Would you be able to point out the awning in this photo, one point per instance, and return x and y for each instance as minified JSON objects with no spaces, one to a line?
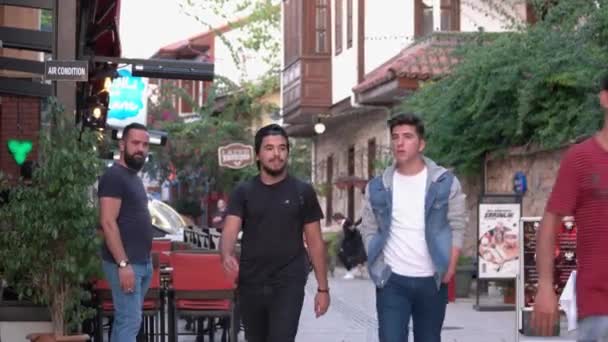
{"x":104,"y":30}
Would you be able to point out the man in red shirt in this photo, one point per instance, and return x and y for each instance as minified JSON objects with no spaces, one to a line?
{"x":580,"y":190}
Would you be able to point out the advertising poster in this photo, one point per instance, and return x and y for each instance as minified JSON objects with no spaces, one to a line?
{"x":498,"y":244}
{"x":565,"y":257}
{"x":128,"y":100}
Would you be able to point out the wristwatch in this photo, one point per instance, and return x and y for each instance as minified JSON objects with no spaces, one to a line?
{"x":323,"y":290}
{"x":123,"y":263}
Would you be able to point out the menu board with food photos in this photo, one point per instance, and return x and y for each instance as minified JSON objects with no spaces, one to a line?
{"x":564,"y":262}
{"x":498,"y":244}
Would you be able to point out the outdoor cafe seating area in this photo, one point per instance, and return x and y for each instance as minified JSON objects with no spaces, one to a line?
{"x":188,"y":283}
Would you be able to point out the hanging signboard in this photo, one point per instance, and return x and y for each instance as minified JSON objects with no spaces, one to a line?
{"x":128,"y":100}
{"x":235,"y":156}
{"x":77,"y":71}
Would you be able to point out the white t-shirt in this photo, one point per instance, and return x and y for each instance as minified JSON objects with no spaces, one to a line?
{"x":406,"y":251}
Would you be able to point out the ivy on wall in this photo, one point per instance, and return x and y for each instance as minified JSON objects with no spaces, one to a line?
{"x":534,"y":85}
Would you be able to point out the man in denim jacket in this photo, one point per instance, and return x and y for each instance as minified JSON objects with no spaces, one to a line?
{"x":413,"y":221}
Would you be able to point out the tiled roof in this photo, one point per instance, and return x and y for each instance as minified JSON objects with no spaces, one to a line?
{"x":422,"y":60}
{"x":191,"y":47}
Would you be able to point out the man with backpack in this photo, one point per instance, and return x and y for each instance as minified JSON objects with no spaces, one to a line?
{"x":276,"y":212}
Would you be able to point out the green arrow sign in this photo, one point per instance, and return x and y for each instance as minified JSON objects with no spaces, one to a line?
{"x":19,"y":149}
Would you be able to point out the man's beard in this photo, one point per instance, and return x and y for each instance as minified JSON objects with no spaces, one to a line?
{"x":274,"y":172}
{"x":133,"y":162}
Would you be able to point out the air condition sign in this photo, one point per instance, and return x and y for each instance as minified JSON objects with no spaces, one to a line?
{"x":77,"y":71}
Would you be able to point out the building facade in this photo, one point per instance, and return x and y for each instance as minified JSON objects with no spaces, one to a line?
{"x":348,"y":63}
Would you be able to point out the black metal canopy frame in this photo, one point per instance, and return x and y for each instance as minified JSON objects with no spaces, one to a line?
{"x":97,"y":43}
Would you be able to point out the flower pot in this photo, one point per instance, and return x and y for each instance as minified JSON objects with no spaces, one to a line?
{"x":50,"y":337}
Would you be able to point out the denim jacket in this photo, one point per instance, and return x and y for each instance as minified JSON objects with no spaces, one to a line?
{"x":445,"y":220}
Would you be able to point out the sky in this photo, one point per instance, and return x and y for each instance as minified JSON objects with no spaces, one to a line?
{"x":147,"y":25}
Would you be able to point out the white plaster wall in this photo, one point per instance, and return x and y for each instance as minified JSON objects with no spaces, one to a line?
{"x":389,"y":27}
{"x":344,"y":65}
{"x":475,"y":14}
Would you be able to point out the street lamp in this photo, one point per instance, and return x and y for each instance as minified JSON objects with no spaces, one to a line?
{"x":319,"y":127}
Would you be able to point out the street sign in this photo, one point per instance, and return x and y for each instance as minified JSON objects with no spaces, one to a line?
{"x":235,"y":156}
{"x":77,"y":71}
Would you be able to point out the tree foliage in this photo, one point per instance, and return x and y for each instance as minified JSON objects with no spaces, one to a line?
{"x":259,"y":20}
{"x":537,"y":85}
{"x":192,"y":148}
{"x":48,"y":242}
{"x":231,"y":109}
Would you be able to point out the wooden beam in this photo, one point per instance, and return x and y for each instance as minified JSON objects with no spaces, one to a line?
{"x":24,"y":87}
{"x":33,"y":40}
{"x":25,"y":65}
{"x":42,"y":4}
{"x":361,"y":41}
{"x":408,"y":83}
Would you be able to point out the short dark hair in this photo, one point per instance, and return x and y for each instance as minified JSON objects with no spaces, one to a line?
{"x":409,"y":119}
{"x":272,"y":129}
{"x":604,"y":83}
{"x":134,"y":125}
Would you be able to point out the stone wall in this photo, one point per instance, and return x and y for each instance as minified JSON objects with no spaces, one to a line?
{"x":540,"y":168}
{"x":471,"y":186}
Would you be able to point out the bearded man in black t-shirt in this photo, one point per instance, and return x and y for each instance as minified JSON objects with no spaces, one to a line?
{"x":127,"y":232}
{"x":275,"y":212}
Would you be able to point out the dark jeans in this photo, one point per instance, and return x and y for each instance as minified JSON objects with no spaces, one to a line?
{"x":405,"y":297}
{"x":271,"y":313}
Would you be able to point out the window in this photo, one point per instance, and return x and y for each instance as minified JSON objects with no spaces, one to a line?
{"x":321,"y":34}
{"x":423,"y":21}
{"x":329,"y":198}
{"x":351,"y":189}
{"x":291,"y":29}
{"x":186,"y":97}
{"x":450,"y":15}
{"x":349,"y":24}
{"x":371,"y":157}
{"x":338,"y":25}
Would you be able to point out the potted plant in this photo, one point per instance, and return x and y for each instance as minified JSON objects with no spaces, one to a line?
{"x":464,"y":276}
{"x":48,"y":241}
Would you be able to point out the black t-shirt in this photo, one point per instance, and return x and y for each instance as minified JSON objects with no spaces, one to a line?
{"x":134,"y":221}
{"x":272,"y":246}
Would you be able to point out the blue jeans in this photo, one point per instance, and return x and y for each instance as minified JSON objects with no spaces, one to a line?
{"x":127,"y":306}
{"x":593,"y":329}
{"x":403,"y":298}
